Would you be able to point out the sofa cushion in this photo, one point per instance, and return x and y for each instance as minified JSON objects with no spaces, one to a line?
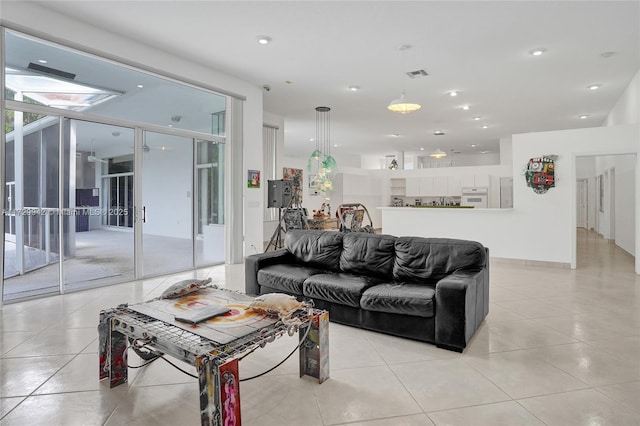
{"x":319,"y":249}
{"x":368,"y":254}
{"x":406,"y":299}
{"x":345,"y":289}
{"x":286,"y":277}
{"x":431,"y":259}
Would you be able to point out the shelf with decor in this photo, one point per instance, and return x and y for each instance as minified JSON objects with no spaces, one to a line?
{"x":398,"y":187}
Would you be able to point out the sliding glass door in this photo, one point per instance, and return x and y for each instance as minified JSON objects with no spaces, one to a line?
{"x":110,"y":174}
{"x":167,"y":200}
{"x":99,"y":211}
{"x":209,"y":203}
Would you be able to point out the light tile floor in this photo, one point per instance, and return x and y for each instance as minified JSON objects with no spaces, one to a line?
{"x":560,"y":347}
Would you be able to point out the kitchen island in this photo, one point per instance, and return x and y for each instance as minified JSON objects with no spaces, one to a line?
{"x":498,"y":229}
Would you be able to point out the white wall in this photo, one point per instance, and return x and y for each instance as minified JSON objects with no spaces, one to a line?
{"x":376,"y":162}
{"x":623,"y":166}
{"x":627,"y":111}
{"x":48,"y":24}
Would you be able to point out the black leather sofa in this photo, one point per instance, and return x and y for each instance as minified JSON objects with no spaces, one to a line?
{"x":430,"y":289}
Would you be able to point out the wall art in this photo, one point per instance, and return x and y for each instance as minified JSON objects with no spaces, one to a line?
{"x":539,"y":173}
{"x":253,"y":179}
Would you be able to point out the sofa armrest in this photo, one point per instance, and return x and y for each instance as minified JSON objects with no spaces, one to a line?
{"x":462,"y":300}
{"x":255,"y":262}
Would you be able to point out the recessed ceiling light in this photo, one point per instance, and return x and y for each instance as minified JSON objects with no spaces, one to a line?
{"x":594,"y":86}
{"x":42,"y":61}
{"x":453,"y":93}
{"x":477,"y":118}
{"x":538,"y":51}
{"x":465,"y":107}
{"x":336,"y":145}
{"x":395,"y":135}
{"x":354,"y":88}
{"x":438,"y":132}
{"x":421,"y":149}
{"x":473,"y":145}
{"x":583,"y":116}
{"x":170,"y":125}
{"x":264,"y":39}
{"x":483,"y":152}
{"x":484,"y":126}
{"x":311,"y":140}
{"x":140,"y":86}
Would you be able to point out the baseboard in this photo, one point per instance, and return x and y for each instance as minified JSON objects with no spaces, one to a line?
{"x":527,"y":262}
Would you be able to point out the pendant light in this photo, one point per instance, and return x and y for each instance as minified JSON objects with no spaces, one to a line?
{"x":321,"y":164}
{"x":438,"y":154}
{"x":402,"y":105}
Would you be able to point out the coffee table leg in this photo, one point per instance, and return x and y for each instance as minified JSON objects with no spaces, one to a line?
{"x":118,"y":372}
{"x":112,"y":348}
{"x":209,"y":381}
{"x":104,"y":324}
{"x":314,"y":350}
{"x":219,"y":392}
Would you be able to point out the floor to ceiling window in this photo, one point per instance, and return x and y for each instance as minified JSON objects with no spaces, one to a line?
{"x":76,"y":128}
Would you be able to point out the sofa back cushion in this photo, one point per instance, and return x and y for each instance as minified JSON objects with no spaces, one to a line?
{"x":368,"y":254}
{"x":430,"y":259}
{"x":315,"y":248}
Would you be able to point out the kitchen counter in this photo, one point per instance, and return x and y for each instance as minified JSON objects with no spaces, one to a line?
{"x":429,"y":208}
{"x":497,"y":229}
{"x":442,"y":207}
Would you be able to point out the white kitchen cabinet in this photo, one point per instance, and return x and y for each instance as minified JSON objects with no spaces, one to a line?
{"x":482,"y":181}
{"x":427,"y":186}
{"x":472,"y":181}
{"x":467,"y":181}
{"x":398,"y":187}
{"x":441,"y":186}
{"x":454,"y":186}
{"x":412,"y":188}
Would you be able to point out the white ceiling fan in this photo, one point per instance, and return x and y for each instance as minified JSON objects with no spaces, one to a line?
{"x":92,"y":155}
{"x":147,"y":148}
{"x":92,"y":159}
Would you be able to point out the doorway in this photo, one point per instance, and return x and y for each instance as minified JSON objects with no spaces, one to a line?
{"x":610,"y":201}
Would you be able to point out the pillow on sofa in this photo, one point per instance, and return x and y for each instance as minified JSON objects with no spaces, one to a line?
{"x":316,"y":248}
{"x":368,"y":254}
{"x":431,"y":259}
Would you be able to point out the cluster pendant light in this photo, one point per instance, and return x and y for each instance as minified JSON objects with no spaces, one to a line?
{"x":321,"y":164}
{"x":402,"y":105}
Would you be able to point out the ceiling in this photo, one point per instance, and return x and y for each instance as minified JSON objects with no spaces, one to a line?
{"x":478,"y":48}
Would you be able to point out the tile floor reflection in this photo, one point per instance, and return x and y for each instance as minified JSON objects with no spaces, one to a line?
{"x":560,"y":347}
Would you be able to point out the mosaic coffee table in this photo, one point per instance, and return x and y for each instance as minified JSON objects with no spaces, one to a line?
{"x":212,"y":346}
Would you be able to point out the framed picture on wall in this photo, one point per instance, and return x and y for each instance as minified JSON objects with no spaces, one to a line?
{"x":295,"y":175}
{"x":253,"y":179}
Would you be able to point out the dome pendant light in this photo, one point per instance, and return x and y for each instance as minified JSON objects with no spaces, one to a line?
{"x":402,"y":105}
{"x":438,"y":154}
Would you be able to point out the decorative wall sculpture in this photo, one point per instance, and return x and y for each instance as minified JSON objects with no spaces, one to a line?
{"x":539,"y":173}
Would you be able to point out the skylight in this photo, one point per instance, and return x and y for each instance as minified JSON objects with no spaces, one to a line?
{"x":55,"y":92}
